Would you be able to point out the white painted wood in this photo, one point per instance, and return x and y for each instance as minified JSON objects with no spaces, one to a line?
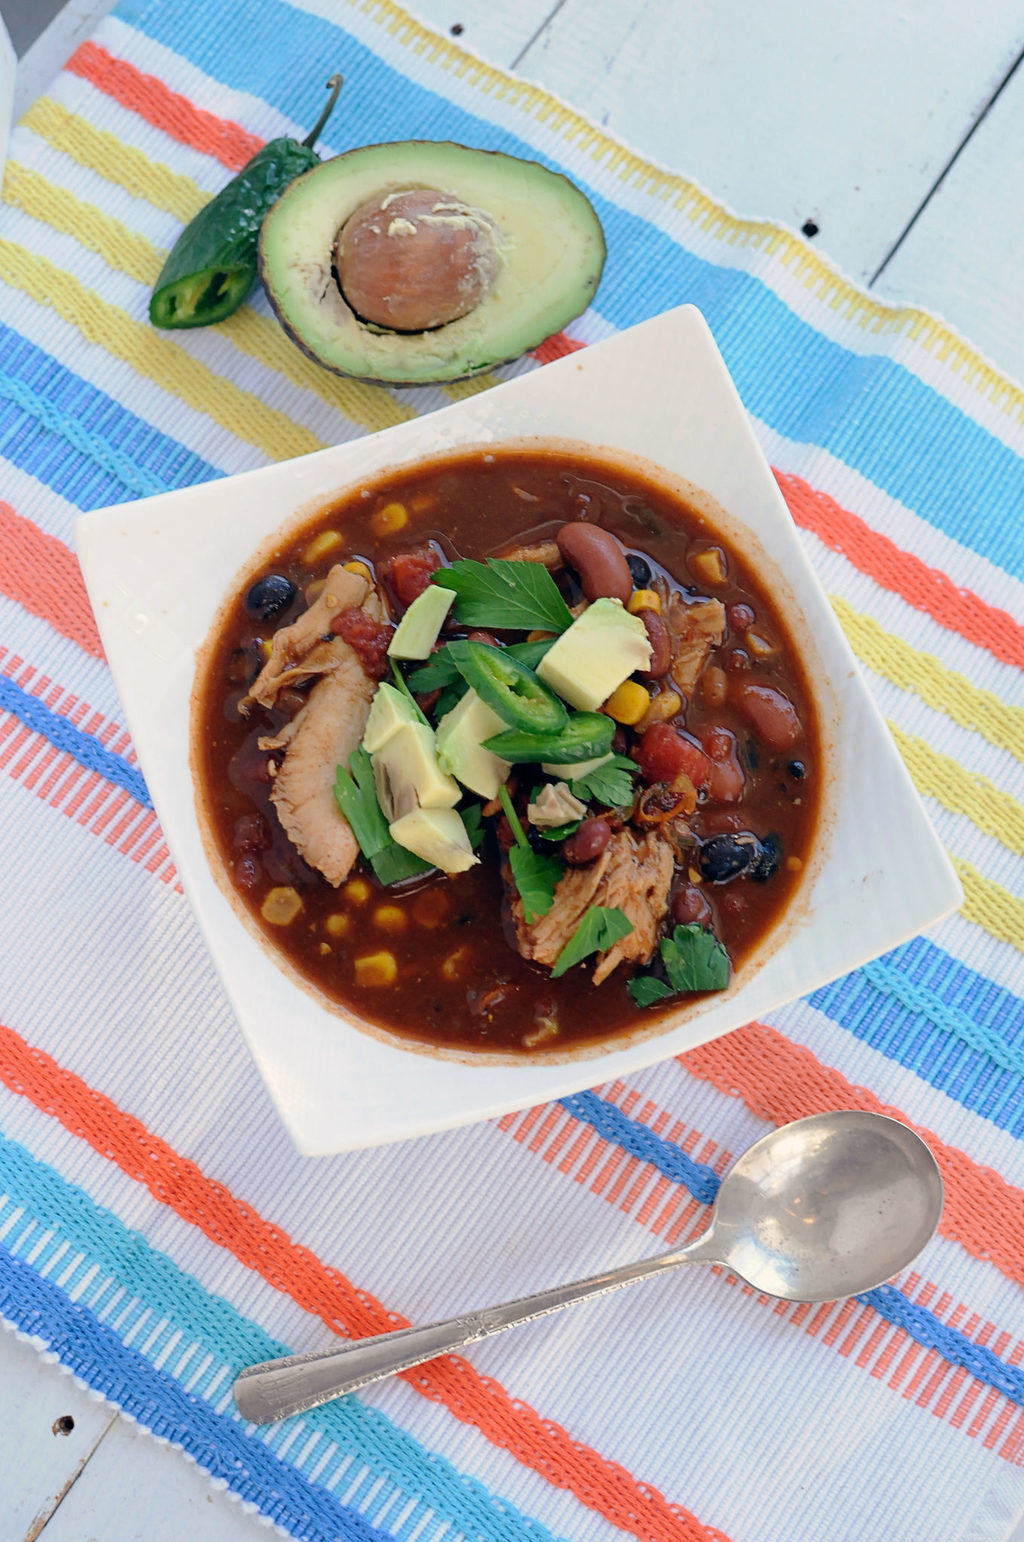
{"x":844,"y":114}
{"x":500,"y":30}
{"x":964,"y":257}
{"x":42,"y":61}
{"x":36,"y":1465}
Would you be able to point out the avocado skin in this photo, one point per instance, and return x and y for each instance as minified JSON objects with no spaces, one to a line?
{"x":581,"y":297}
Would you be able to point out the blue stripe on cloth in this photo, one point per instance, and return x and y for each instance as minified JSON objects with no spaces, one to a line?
{"x":355,"y":1428}
{"x":220,"y":1444}
{"x":916,"y":1320}
{"x":932,"y":456}
{"x":45,"y":408}
{"x":85,"y":748}
{"x":951,"y":1026}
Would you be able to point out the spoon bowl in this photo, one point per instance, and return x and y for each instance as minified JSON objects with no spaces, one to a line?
{"x":822,"y":1208}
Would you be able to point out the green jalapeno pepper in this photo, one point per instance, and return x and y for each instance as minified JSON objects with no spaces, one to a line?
{"x":510,"y":687}
{"x":212,"y":266}
{"x":586,"y":736}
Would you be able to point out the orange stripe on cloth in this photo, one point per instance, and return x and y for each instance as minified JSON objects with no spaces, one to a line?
{"x":40,"y":573}
{"x":173,"y":1180}
{"x":556,"y":347}
{"x":779,"y":1081}
{"x":901,"y":572}
{"x":165,"y":109}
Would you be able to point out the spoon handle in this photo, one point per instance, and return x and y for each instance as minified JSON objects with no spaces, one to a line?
{"x":276,"y":1388}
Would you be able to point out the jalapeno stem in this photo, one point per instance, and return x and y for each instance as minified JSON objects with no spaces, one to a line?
{"x":334,"y":86}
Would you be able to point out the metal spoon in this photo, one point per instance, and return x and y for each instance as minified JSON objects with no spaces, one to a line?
{"x":823,"y":1208}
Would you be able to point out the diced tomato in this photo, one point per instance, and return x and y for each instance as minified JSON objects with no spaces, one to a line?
{"x":726,"y":781}
{"x":664,"y":753}
{"x":408,"y":573}
{"x":367,"y":638}
{"x":773,"y":715}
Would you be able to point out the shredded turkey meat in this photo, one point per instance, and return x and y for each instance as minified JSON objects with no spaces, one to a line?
{"x":544,"y":552}
{"x":633,"y":874}
{"x":305,"y":648}
{"x":693,"y":630}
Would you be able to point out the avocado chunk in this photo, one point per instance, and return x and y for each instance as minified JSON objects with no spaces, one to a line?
{"x":419,"y":628}
{"x":591,"y":659}
{"x":416,"y":262}
{"x":438,"y":836}
{"x":460,"y":736}
{"x":407,"y":775}
{"x":389,"y":711}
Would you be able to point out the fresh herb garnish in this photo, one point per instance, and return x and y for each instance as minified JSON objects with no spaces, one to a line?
{"x":694,"y":960}
{"x":472,"y":817}
{"x":511,"y":596}
{"x":407,"y":693}
{"x":610,"y":784}
{"x":536,"y":876}
{"x":601,"y":927}
{"x":357,"y":798}
{"x":437,"y":672}
{"x":530,"y":653}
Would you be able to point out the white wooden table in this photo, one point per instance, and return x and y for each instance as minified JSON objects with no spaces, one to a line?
{"x":892,"y":132}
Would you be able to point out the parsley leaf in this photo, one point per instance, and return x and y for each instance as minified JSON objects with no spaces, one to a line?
{"x":536,"y":876}
{"x":694,"y":960}
{"x":516,"y":596}
{"x":357,"y":798}
{"x":610,"y":784}
{"x":600,"y":928}
{"x":407,"y":693}
{"x":473,"y":819}
{"x":436,"y":673}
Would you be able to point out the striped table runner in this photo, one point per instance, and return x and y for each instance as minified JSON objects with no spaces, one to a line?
{"x":158,"y":1232}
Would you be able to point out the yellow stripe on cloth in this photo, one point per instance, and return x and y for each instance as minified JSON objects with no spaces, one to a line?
{"x":155,"y":356}
{"x":963,"y":792}
{"x":126,"y":251}
{"x":811,"y":269}
{"x":944,"y":689}
{"x":988,"y":904}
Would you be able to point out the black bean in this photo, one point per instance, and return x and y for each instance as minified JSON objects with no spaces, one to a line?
{"x":640,"y":570}
{"x":269,"y":596}
{"x":797,"y":770}
{"x":768,"y":861}
{"x":725,"y":857}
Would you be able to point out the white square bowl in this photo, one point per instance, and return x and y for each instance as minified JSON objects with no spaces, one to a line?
{"x":158,"y":570}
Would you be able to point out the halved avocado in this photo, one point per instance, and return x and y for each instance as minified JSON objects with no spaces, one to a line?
{"x":533,"y":259}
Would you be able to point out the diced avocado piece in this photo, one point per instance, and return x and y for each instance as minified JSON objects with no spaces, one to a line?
{"x":438,"y":836}
{"x":591,"y":659}
{"x":407,"y":775}
{"x":460,"y":736}
{"x":389,"y":711}
{"x":420,"y":627}
{"x":515,"y":251}
{"x":573,"y":773}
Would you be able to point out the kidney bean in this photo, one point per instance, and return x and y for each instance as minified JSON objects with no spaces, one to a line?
{"x":598,"y":559}
{"x":689,"y":905}
{"x":665,"y":752}
{"x":727,"y":781}
{"x":773,"y":715}
{"x":587,"y":844}
{"x":661,"y":645}
{"x":714,"y":685}
{"x":251,"y":833}
{"x":484,"y":637}
{"x":737,"y":661}
{"x":246,"y":871}
{"x":739,"y":616}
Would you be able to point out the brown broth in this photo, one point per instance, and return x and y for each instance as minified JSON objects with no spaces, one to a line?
{"x":460,"y":981}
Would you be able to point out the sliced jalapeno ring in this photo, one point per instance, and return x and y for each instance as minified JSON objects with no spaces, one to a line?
{"x":586,"y":736}
{"x":509,"y":687}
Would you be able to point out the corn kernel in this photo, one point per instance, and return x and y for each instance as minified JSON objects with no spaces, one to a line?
{"x":629,"y":703}
{"x":337,"y":924}
{"x":357,"y":891}
{"x":392,"y":517}
{"x":452,"y":966}
{"x":539,"y":636}
{"x":793,"y":864}
{"x":265,"y":647}
{"x":281,"y":906}
{"x":314,"y":590}
{"x":320,"y":545}
{"x":694,"y":876}
{"x":663,"y":706}
{"x":644,"y":599}
{"x":360,"y":569}
{"x":421,"y":503}
{"x":759,"y":646}
{"x":709,"y":565}
{"x":325,"y":948}
{"x":391,"y":918}
{"x":376,"y":969}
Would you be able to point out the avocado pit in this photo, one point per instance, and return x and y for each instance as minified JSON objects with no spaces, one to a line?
{"x":415,"y":260}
